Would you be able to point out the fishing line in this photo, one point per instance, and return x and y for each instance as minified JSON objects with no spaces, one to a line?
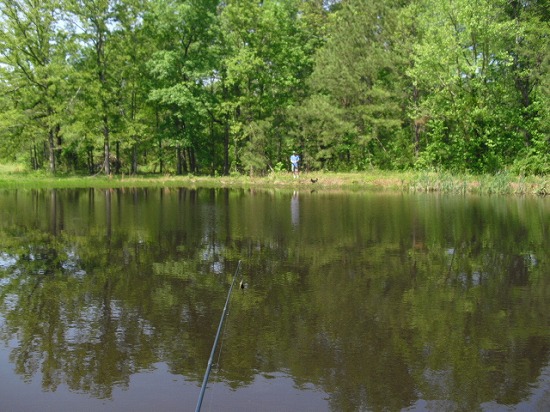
{"x":220,"y":326}
{"x":217,"y":370}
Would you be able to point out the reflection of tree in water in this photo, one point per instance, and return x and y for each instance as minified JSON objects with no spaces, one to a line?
{"x":68,"y":327}
{"x":375,"y":321}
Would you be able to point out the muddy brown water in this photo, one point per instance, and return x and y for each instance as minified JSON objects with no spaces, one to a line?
{"x":354,"y":301}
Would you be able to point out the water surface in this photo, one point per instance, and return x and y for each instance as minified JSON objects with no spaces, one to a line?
{"x":111,"y":299}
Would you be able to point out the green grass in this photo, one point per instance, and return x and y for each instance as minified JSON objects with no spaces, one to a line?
{"x":14,"y":176}
{"x":11,"y":168}
{"x":499,"y":184}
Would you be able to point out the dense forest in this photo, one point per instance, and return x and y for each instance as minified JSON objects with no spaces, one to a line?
{"x":219,"y":87}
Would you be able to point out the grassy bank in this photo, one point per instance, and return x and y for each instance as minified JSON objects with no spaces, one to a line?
{"x":13,"y":176}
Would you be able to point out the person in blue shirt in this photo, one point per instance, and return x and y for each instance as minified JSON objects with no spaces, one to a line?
{"x":294,"y":160}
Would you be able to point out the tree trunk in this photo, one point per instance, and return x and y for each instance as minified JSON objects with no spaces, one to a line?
{"x":212,"y":149}
{"x":91,"y":169}
{"x":179,"y":168}
{"x":107,"y":150}
{"x":34,"y":158}
{"x":161,"y":162}
{"x":117,"y":160}
{"x":51,"y":150}
{"x":226,"y":147}
{"x":192,"y":160}
{"x":134,"y":160}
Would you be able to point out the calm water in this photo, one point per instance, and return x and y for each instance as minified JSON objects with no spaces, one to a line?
{"x":110,"y":301}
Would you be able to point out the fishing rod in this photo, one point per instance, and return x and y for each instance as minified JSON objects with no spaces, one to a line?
{"x":209,"y":367}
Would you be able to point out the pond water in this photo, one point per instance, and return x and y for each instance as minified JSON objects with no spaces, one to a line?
{"x":110,"y":300}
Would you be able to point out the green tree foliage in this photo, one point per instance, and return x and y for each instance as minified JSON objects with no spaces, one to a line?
{"x":34,"y":78}
{"x":97,"y":24}
{"x":531,"y":72}
{"x":473,"y":85}
{"x":135,"y":116}
{"x":182,"y":66}
{"x":267,"y":57}
{"x":325,"y":138}
{"x":189,"y":86}
{"x":359,"y":69}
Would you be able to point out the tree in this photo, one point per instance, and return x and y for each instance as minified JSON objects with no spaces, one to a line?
{"x":96,"y":21}
{"x":531,"y":71}
{"x":183,"y":67}
{"x":132,"y":47}
{"x":323,"y":135}
{"x":34,"y":71}
{"x":267,"y":56}
{"x":462,"y":65}
{"x":209,"y":86}
{"x":359,"y":68}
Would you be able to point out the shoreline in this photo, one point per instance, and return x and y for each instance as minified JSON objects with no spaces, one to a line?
{"x":504,"y":184}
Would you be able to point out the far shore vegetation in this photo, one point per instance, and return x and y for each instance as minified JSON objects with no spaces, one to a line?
{"x":14,"y":176}
{"x":234,"y":88}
